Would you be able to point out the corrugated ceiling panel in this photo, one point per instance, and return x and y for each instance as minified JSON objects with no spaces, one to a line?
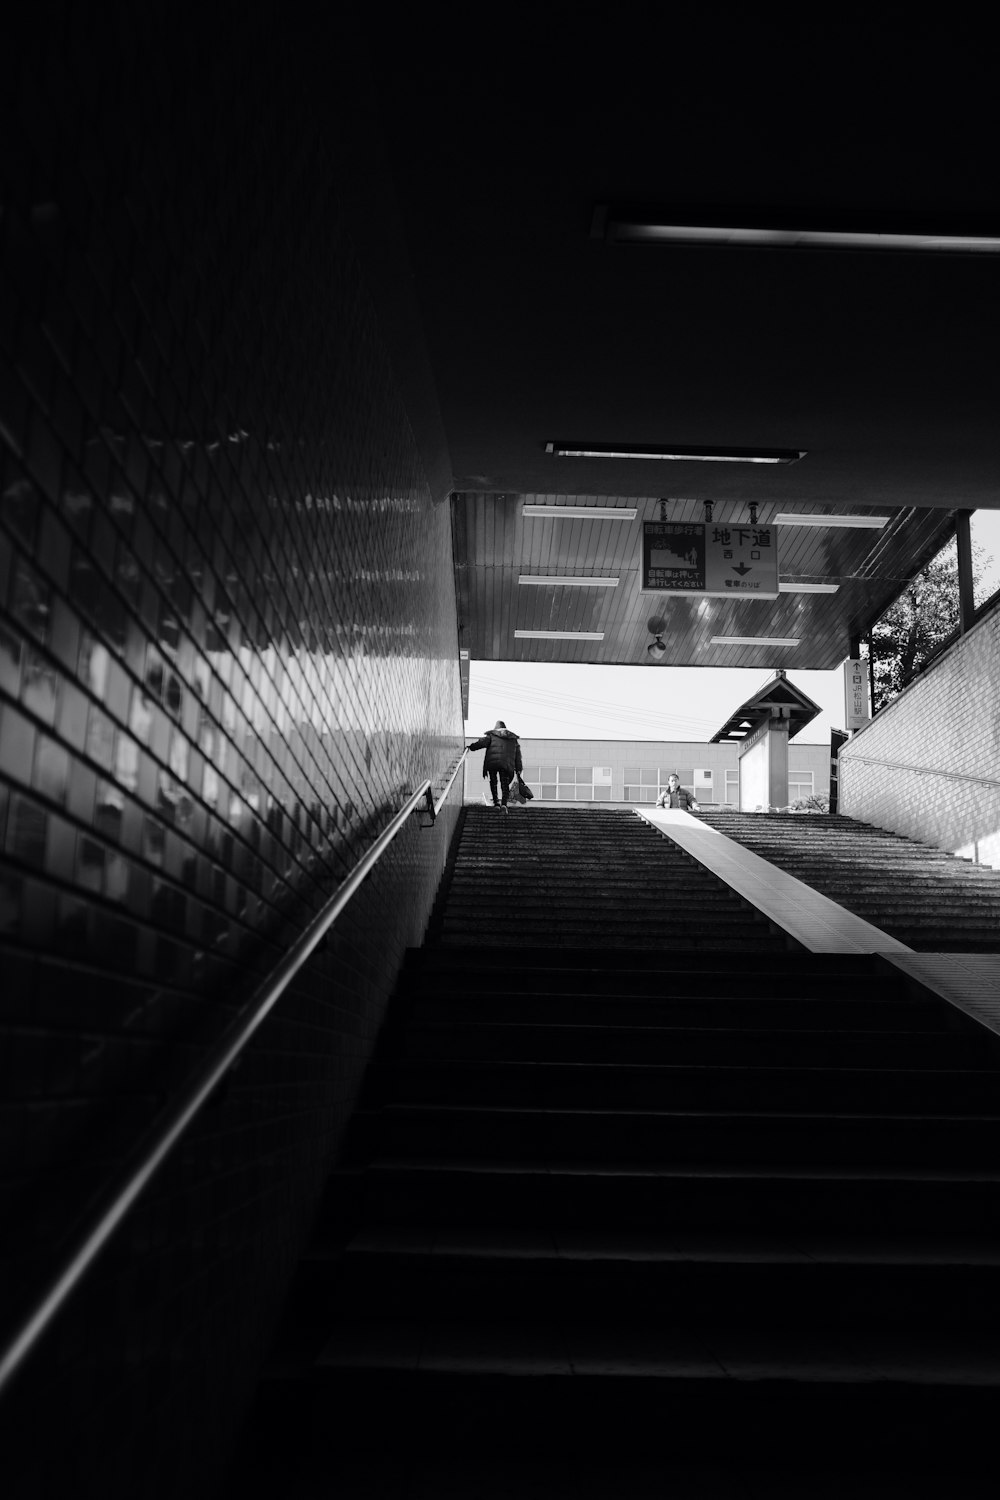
{"x":495,"y":544}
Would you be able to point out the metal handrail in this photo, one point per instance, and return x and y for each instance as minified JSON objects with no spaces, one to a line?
{"x":153,"y":1148}
{"x":901,"y":765}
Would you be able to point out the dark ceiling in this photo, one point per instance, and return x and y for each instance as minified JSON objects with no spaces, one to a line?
{"x":882,"y":366}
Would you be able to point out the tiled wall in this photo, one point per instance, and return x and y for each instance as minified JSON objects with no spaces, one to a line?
{"x":928,"y":765}
{"x":228,"y":651}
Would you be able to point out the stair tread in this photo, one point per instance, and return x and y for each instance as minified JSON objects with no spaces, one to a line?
{"x":567,"y":1348}
{"x":460,"y":1166}
{"x":667,"y":1247}
{"x":789,"y":1118}
{"x":479,"y":1023}
{"x":802,"y":1271}
{"x":465,"y":1065}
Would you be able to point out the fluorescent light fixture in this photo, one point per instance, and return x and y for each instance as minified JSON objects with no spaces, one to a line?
{"x":778,"y":229}
{"x":789,"y":518}
{"x":754,"y":640}
{"x":582,"y":512}
{"x":808,"y":588}
{"x":565,"y":581}
{"x":559,"y":635}
{"x":677,"y":452}
{"x":804,"y":239}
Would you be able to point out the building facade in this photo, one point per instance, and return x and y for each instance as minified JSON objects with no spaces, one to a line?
{"x":631,"y":772}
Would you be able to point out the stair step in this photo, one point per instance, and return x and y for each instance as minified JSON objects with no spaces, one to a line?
{"x":459,"y":1000}
{"x":574,"y":936}
{"x":487,"y":1345}
{"x":926,"y":898}
{"x":545,"y":1041}
{"x":771,"y":1199}
{"x":627,"y":1190}
{"x":653,"y":1085}
{"x":631,"y":1136}
{"x":596,"y":1391}
{"x":735,"y":978}
{"x":667,"y":1290}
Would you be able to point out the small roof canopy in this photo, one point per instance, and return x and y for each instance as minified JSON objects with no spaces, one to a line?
{"x":778,"y":693}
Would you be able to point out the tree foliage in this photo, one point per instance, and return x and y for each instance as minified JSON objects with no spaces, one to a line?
{"x":914,"y":628}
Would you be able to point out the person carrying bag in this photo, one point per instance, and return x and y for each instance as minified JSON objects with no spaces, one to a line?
{"x":502,"y":760}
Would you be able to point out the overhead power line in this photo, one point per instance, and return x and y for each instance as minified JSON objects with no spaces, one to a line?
{"x":574,"y":706}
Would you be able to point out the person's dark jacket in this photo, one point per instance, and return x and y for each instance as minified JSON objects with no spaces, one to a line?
{"x":503,"y":751}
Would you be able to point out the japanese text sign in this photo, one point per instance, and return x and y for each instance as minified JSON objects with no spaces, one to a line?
{"x":856,"y":694}
{"x":726,"y":562}
{"x":673,"y":557}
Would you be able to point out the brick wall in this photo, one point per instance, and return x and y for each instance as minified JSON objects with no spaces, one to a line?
{"x":228,"y":651}
{"x":928,"y":765}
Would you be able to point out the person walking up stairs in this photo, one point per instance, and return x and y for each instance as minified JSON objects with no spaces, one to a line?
{"x":502,"y":760}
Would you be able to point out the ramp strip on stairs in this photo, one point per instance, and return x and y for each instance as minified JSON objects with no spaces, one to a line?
{"x":969,"y":981}
{"x":813,"y":920}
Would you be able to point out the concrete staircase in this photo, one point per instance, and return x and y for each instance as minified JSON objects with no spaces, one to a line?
{"x":619,"y":1220}
{"x":930,"y":900}
{"x":588,"y":877}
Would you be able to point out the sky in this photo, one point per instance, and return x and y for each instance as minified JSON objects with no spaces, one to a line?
{"x":549,"y":701}
{"x":539,"y":700}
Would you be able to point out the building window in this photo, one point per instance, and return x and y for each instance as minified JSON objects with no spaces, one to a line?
{"x":542,"y":780}
{"x":703,"y":786}
{"x":732,"y":788}
{"x":800,"y":785}
{"x":602,"y":783}
{"x":642,"y":783}
{"x":576,"y":784}
{"x":569,"y":783}
{"x":645,"y":783}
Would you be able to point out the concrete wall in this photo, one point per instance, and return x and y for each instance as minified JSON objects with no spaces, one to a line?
{"x":928,"y":765}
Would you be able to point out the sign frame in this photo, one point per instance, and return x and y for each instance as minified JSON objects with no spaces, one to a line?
{"x":857,"y":709}
{"x":691,"y":557}
{"x":677,"y":565}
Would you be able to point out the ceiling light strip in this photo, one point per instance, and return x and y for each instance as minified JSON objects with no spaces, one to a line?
{"x":790,"y":518}
{"x":565,"y":581}
{"x":754,"y":640}
{"x":676,"y":453}
{"x":623,"y":231}
{"x":808,"y":588}
{"x":582,"y":512}
{"x":559,"y":635}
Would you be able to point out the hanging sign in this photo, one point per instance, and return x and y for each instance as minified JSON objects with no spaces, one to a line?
{"x":856,"y":694}
{"x":673,"y":557}
{"x":741,"y":562}
{"x":725,"y":562}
